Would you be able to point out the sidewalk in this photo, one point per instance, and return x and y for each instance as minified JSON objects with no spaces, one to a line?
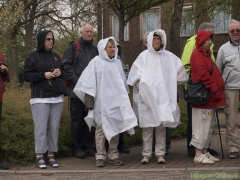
{"x":177,"y":160}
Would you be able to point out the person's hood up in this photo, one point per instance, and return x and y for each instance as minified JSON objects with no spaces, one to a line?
{"x":160,"y":33}
{"x":202,"y":36}
{"x":101,"y":48}
{"x":119,"y":50}
{"x":41,"y":39}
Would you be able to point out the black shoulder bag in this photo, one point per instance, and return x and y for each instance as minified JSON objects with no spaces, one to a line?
{"x":197,"y":93}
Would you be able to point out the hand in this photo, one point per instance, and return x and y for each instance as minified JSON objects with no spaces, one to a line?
{"x":3,"y":67}
{"x":57,"y":72}
{"x":49,"y":75}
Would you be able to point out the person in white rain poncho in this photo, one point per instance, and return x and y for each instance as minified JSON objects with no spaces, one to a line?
{"x":104,"y":82}
{"x":154,"y":76}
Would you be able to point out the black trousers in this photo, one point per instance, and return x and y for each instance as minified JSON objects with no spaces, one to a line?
{"x":81,"y":137}
{"x":121,"y":141}
{"x":189,"y":128}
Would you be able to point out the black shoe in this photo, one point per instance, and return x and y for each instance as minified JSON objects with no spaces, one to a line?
{"x":123,"y":150}
{"x":213,"y":152}
{"x":167,"y":152}
{"x":79,"y":154}
{"x":90,"y":152}
{"x":3,"y":166}
{"x":191,"y":153}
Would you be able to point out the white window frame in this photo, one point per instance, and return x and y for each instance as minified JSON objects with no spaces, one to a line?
{"x":115,"y":28}
{"x":189,"y":25}
{"x":142,"y":21}
{"x":221,"y":21}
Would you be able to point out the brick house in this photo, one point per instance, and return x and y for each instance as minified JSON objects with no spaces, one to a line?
{"x":157,"y":17}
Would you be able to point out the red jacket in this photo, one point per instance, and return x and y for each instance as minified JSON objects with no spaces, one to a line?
{"x":2,"y":78}
{"x":201,"y":67}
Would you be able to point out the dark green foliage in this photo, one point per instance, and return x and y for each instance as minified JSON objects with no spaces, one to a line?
{"x":181,"y":130}
{"x":17,"y":137}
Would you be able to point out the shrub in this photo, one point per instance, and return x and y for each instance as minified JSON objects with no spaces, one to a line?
{"x":17,"y":130}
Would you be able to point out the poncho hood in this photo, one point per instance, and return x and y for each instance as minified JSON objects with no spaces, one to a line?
{"x":41,"y":39}
{"x":101,"y":48}
{"x":162,"y":34}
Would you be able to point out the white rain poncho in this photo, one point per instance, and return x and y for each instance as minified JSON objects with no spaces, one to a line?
{"x":154,"y":76}
{"x":105,"y":80}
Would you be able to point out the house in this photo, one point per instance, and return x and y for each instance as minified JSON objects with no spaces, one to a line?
{"x":160,"y":17}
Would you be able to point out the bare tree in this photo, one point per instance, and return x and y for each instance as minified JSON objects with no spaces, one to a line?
{"x":27,"y":17}
{"x":175,"y":27}
{"x":126,"y":10}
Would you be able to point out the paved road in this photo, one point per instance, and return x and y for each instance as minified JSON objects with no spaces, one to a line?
{"x":178,"y":166}
{"x":168,"y":174}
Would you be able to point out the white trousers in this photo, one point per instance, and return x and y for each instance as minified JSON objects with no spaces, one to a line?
{"x":46,"y":118}
{"x":202,"y":127}
{"x":100,"y":145}
{"x":160,"y":146}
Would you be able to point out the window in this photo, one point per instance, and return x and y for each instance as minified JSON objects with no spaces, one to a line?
{"x":220,"y":20}
{"x":150,"y":20}
{"x":115,"y":29}
{"x":187,"y":27}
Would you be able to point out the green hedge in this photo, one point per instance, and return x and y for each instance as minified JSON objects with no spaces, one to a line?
{"x":16,"y":135}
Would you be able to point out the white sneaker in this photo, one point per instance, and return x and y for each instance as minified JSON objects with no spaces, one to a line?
{"x":161,"y":160}
{"x":209,"y":156}
{"x":145,"y":160}
{"x":203,"y":159}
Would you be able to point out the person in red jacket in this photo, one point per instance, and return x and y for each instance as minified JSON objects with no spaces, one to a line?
{"x":203,"y":69}
{"x":4,"y":74}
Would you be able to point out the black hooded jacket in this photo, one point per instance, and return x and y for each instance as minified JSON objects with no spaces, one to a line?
{"x":74,"y":66}
{"x":39,"y":62}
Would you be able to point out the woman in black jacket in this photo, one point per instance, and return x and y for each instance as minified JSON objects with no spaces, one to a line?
{"x":42,"y":69}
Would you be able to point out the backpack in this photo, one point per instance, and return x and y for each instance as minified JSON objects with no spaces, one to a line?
{"x":77,"y":50}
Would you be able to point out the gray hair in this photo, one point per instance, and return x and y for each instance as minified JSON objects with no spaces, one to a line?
{"x":82,"y":28}
{"x":145,"y":36}
{"x":232,"y":21}
{"x":205,"y":26}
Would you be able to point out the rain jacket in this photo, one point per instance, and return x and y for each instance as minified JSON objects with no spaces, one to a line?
{"x":105,"y":80}
{"x":228,"y":62}
{"x":3,"y":77}
{"x":203,"y":69}
{"x":39,"y":62}
{"x":154,"y":76}
{"x":74,"y":65}
{"x":187,"y":52}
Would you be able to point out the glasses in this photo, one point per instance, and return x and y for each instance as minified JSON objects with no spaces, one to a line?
{"x":234,"y":30}
{"x":49,"y":39}
{"x":157,"y":38}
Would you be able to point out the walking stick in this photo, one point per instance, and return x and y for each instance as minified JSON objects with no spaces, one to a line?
{"x":219,"y":133}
